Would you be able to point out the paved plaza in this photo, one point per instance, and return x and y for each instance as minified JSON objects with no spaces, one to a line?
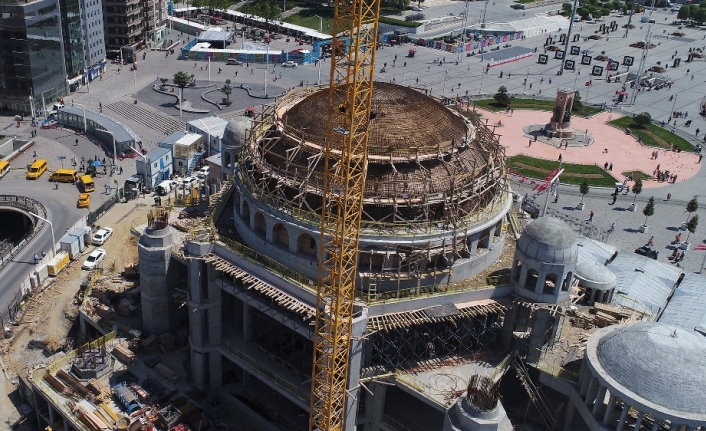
{"x":152,"y":117}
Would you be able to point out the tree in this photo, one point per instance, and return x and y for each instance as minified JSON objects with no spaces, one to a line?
{"x":692,"y":207}
{"x":181,"y":79}
{"x":700,"y":15}
{"x":227,"y":91}
{"x":583,"y":12}
{"x":692,"y":225}
{"x":649,"y":209}
{"x":228,"y":81}
{"x":501,"y":96}
{"x":164,"y":81}
{"x":584,"y":188}
{"x":637,"y":189}
{"x":566,"y":9}
{"x":683,"y":13}
{"x":642,"y":119}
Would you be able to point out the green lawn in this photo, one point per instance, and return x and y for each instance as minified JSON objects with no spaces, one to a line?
{"x":637,"y":175}
{"x":307,"y":18}
{"x":535,"y":105}
{"x":653,"y":136}
{"x":573,"y":173}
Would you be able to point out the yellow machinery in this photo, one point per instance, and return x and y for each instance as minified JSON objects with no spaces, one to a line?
{"x":350,"y":97}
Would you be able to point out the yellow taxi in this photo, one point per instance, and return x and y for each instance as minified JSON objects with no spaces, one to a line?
{"x":84,"y":200}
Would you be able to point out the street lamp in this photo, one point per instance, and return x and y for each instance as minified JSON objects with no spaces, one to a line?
{"x":85,"y":132}
{"x":53,"y":241}
{"x":485,"y":8}
{"x":321,"y":24}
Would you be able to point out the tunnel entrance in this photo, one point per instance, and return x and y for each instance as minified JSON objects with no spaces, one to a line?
{"x":14,"y":225}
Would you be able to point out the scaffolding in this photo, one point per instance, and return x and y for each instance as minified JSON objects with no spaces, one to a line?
{"x":433,"y":171}
{"x":433,"y":335}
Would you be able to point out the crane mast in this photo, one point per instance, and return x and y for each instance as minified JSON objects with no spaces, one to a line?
{"x":345,"y":163}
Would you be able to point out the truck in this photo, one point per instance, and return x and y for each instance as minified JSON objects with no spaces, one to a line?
{"x":134,"y":186}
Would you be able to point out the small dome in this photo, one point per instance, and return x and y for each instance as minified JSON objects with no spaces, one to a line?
{"x":657,"y":362}
{"x":548,"y":240}
{"x":235,"y":132}
{"x":593,"y":274}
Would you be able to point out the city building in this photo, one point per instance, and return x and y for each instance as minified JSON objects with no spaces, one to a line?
{"x":212,"y":129}
{"x":155,"y":167}
{"x":33,"y":72}
{"x":93,"y":37}
{"x":155,"y":21}
{"x":124,"y":27}
{"x":187,"y":150}
{"x":73,"y":43}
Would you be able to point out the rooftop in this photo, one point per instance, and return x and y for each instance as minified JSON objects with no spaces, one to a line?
{"x":214,"y":126}
{"x":122,"y":132}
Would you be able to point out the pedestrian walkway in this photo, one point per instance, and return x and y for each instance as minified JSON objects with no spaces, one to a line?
{"x":155,"y":121}
{"x":610,"y":145}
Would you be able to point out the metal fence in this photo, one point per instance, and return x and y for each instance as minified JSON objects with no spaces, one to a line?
{"x":105,"y":206}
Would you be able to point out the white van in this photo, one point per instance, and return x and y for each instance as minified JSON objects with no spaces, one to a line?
{"x":203,"y":172}
{"x":165,"y":187}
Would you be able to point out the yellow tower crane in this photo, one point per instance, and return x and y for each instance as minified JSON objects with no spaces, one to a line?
{"x":350,"y":97}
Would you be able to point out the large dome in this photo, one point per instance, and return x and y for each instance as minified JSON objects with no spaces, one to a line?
{"x":548,"y":240}
{"x":407,"y":121}
{"x":426,"y":163}
{"x":660,"y":363}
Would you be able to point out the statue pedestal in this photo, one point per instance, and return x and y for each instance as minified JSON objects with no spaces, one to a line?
{"x":559,"y":130}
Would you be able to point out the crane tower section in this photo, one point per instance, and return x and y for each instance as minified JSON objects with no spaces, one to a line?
{"x":349,"y":113}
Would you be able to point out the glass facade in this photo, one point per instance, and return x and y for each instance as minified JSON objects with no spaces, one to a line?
{"x":73,"y":37}
{"x":32,"y":60}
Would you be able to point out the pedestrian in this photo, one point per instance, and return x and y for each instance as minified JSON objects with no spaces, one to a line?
{"x":530,"y":143}
{"x":700,"y":157}
{"x":556,"y":198}
{"x":36,"y":258}
{"x":236,"y":73}
{"x":76,"y":142}
{"x":590,"y":216}
{"x":612,"y":228}
{"x":560,"y":158}
{"x":651,"y":241}
{"x":669,"y":196}
{"x":610,"y":167}
{"x":615,"y":198}
{"x":43,"y":253}
{"x":605,"y":166}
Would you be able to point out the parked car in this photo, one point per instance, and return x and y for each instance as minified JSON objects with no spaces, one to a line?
{"x":188,"y":183}
{"x":233,"y":62}
{"x":203,"y":172}
{"x":416,"y":8}
{"x":84,"y":200}
{"x":94,"y":259}
{"x":100,"y":237}
{"x":289,"y":64}
{"x":165,"y":187}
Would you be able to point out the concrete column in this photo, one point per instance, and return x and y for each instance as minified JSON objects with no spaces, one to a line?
{"x":474,"y":244}
{"x":246,"y":321}
{"x":623,"y":417}
{"x":215,"y":312}
{"x":523,"y":276}
{"x":609,"y":410}
{"x":293,"y":242}
{"x":638,"y":423}
{"x":509,"y":326}
{"x":354,"y":365}
{"x":569,"y":417}
{"x":154,"y":251}
{"x":655,"y":426}
{"x":269,"y":230}
{"x":377,"y":405}
{"x":252,"y":220}
{"x":216,"y":370}
{"x":491,"y":237}
{"x":583,"y":374}
{"x":592,"y":389}
{"x":540,"y":282}
{"x":598,"y":406}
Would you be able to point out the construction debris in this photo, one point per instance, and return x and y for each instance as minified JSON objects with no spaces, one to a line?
{"x":124,"y":355}
{"x":167,"y":373}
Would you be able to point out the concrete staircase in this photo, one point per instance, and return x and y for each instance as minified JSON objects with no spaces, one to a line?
{"x":143,"y":116}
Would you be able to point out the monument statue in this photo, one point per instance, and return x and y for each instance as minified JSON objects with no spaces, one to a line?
{"x":560,"y":123}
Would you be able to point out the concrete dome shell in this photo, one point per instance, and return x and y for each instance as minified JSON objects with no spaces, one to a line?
{"x":548,"y":240}
{"x":659,"y":363}
{"x":235,"y":132}
{"x":595,"y":273}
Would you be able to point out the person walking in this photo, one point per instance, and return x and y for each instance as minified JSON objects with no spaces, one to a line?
{"x":556,"y":198}
{"x":76,"y":143}
{"x":612,"y":228}
{"x":36,"y":258}
{"x":590,"y":216}
{"x":700,"y":157}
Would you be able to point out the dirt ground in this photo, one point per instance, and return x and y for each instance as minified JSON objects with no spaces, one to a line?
{"x":50,"y":317}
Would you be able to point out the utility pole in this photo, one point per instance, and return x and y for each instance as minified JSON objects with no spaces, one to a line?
{"x":640,"y":69}
{"x":632,"y":12}
{"x":462,"y":48}
{"x":568,"y":37}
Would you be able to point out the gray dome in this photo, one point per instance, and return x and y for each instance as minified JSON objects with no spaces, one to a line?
{"x":593,"y":274}
{"x":657,"y":362}
{"x":234,"y":134}
{"x":548,"y":240}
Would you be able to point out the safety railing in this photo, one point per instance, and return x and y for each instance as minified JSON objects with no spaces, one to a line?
{"x":256,"y":365}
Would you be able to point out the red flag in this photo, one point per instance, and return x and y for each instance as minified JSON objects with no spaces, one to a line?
{"x":701,"y":246}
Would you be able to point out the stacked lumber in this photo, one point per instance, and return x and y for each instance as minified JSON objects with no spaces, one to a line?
{"x":150,"y":344}
{"x":602,"y":319}
{"x":95,"y":386}
{"x":54,"y":383}
{"x":91,"y":420}
{"x":168,"y":341}
{"x":167,"y":373}
{"x":73,"y":383}
{"x":611,"y":310}
{"x":124,"y":355}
